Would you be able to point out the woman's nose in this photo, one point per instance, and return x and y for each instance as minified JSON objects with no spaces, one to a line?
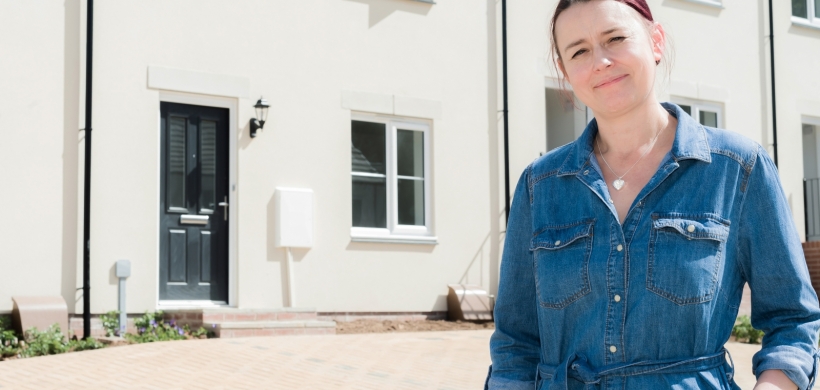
{"x":602,"y":61}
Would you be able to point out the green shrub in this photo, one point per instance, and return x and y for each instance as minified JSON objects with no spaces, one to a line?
{"x":51,"y":342}
{"x":152,"y":327}
{"x":9,"y":342}
{"x":111,"y":323}
{"x":743,"y":331}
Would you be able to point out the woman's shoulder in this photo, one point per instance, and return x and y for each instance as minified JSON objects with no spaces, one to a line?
{"x":732,"y":144}
{"x":552,"y":162}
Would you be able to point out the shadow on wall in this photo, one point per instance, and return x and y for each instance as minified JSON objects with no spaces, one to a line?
{"x":244,"y":135}
{"x":469,"y":277}
{"x":72,"y":139}
{"x":440,"y":304}
{"x":381,"y":9}
{"x":279,"y":255}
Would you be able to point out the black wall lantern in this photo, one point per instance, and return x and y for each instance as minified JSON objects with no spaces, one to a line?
{"x":261,"y":113}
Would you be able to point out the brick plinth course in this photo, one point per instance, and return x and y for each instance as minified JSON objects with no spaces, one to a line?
{"x":421,"y":360}
{"x":811,"y":250}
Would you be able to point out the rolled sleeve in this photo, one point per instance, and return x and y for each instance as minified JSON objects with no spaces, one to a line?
{"x":515,"y":345}
{"x":784,"y":304}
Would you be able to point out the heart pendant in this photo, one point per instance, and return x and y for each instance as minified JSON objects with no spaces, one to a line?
{"x":618,"y":184}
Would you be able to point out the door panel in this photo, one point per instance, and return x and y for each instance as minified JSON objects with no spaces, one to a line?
{"x":193,"y":227}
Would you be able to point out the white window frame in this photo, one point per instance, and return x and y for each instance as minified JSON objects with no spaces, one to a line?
{"x":811,"y":20}
{"x":395,"y":233}
{"x":709,"y":3}
{"x":698,"y":105}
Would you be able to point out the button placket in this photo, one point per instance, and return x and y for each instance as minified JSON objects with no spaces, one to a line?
{"x":616,"y":287}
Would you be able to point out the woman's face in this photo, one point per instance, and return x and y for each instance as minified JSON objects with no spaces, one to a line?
{"x":608,"y":54}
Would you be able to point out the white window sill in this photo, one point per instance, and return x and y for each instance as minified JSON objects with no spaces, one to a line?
{"x":708,"y":3}
{"x":396,"y":239}
{"x":804,"y":23}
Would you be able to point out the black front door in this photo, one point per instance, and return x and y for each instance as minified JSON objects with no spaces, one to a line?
{"x":194,"y":203}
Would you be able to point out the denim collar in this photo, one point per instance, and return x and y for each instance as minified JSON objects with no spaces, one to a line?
{"x":690,"y":142}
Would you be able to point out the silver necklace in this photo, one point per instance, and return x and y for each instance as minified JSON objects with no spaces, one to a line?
{"x":619,"y":182}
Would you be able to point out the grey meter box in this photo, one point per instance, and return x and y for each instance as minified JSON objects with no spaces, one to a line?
{"x":123,"y":268}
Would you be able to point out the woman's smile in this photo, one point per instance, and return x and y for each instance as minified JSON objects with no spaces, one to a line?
{"x":611,"y":81}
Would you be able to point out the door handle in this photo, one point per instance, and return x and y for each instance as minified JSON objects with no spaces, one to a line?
{"x":225,"y":205}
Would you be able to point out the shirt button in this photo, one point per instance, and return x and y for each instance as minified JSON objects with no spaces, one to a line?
{"x":610,"y":200}
{"x":690,"y":228}
{"x":586,"y":172}
{"x":557,"y":242}
{"x":617,"y":298}
{"x":620,"y":247}
{"x":613,"y":349}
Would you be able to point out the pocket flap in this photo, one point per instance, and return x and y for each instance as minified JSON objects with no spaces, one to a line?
{"x":557,"y":237}
{"x":694,"y":229}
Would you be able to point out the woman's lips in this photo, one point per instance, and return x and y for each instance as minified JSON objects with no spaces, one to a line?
{"x":611,"y":81}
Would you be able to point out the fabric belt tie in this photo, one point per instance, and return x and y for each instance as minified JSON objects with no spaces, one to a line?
{"x":577,"y":367}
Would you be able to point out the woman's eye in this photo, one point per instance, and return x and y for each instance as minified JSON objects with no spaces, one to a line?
{"x":579,"y":52}
{"x":616,"y":39}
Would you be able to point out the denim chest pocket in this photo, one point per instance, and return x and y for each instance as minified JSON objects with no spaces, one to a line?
{"x":685,"y":253}
{"x":561,"y":257}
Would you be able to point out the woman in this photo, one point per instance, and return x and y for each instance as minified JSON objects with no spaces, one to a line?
{"x":629,"y":274}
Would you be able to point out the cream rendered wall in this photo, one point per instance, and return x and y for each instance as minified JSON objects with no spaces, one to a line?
{"x":300,"y":56}
{"x":39,"y":123}
{"x":797,"y":56}
{"x":527,"y":47}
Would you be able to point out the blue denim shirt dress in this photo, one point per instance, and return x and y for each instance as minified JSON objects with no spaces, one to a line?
{"x":585,"y":302}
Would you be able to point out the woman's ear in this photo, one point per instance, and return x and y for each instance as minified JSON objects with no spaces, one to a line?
{"x":658,"y":36}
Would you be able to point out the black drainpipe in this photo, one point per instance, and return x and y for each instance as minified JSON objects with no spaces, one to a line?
{"x":89,"y":45}
{"x":774,"y":105}
{"x":506,"y":112}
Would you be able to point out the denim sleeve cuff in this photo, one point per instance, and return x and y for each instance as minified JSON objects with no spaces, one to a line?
{"x":796,"y":363}
{"x":509,"y":384}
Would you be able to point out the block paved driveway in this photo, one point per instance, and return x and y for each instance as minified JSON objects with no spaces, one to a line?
{"x":422,"y":360}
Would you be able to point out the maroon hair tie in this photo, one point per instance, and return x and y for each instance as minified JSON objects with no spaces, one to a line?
{"x":641,"y":7}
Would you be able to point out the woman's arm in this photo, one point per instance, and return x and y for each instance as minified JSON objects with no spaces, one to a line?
{"x":515,"y":345}
{"x":784,"y":304}
{"x":774,"y":380}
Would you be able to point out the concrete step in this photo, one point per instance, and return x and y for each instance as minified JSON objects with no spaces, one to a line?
{"x":196,"y":317}
{"x":230,"y":329}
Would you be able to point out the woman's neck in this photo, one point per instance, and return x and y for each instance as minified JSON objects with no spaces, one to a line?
{"x":627,"y":134}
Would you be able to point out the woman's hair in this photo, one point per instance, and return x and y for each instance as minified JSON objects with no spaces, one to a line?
{"x":639,"y":6}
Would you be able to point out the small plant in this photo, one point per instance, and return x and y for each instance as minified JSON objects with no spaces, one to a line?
{"x":743,"y":330}
{"x":152,"y":327}
{"x":51,"y":342}
{"x":9,"y":342}
{"x":111,"y":323}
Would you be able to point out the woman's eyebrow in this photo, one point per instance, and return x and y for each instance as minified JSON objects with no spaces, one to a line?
{"x":582,"y":40}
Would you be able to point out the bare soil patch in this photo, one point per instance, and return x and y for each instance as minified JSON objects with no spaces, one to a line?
{"x":387,"y":326}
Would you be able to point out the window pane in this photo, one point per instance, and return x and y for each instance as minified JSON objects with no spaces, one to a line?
{"x":410,"y":148}
{"x":688,"y":109}
{"x":708,"y":118}
{"x":207,"y":165}
{"x":367,"y":147}
{"x":176,"y":162}
{"x":799,"y":8}
{"x":369,"y":201}
{"x":411,"y":202}
{"x":817,"y":8}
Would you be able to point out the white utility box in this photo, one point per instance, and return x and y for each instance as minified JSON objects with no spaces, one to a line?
{"x":294,"y":217}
